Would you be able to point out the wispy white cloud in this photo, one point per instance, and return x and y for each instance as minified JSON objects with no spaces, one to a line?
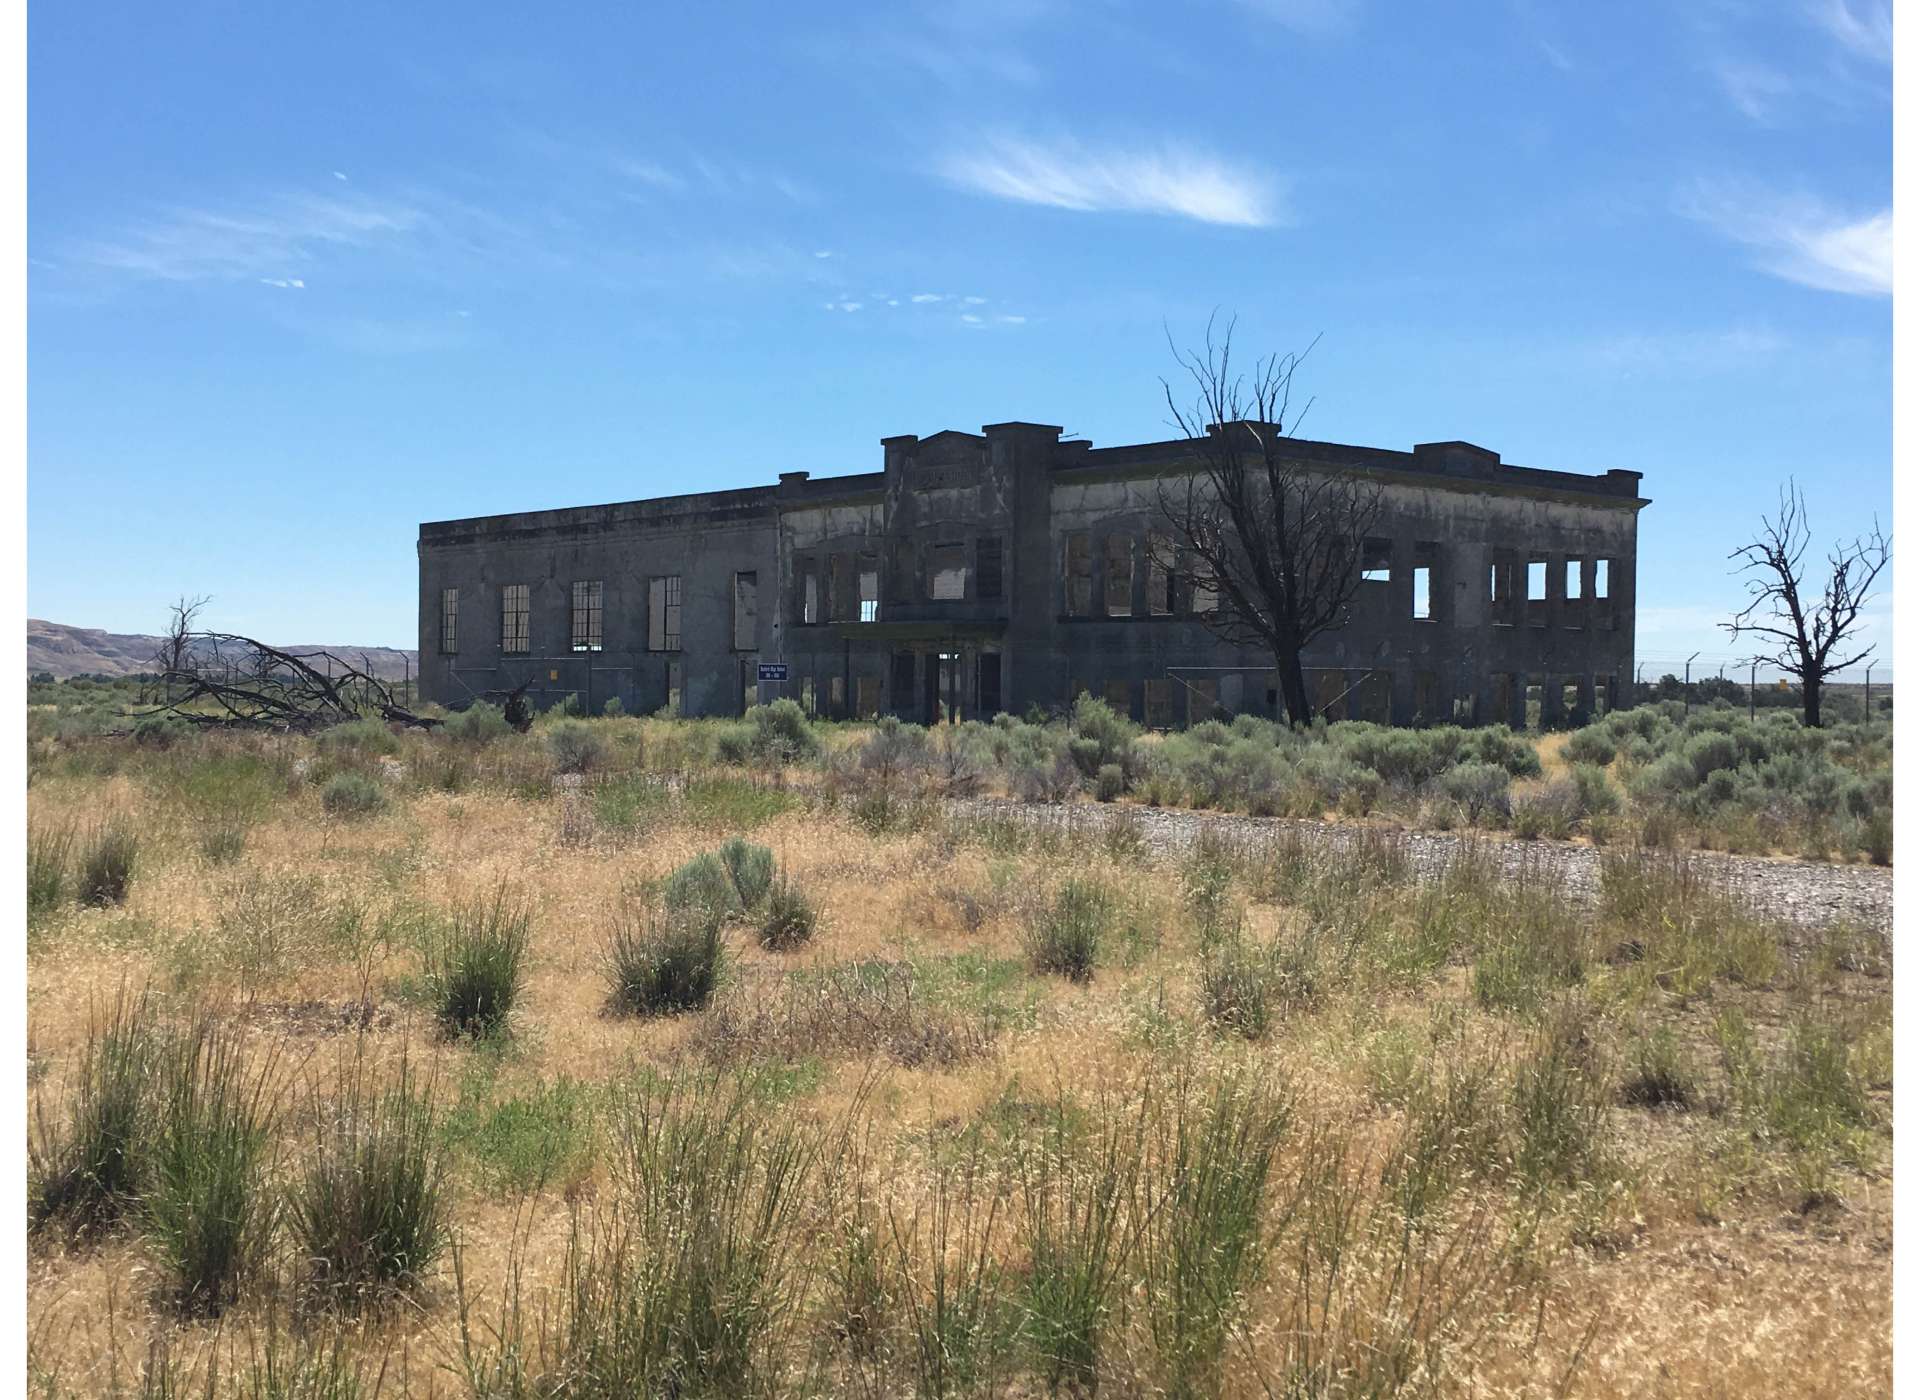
{"x":1801,"y":239}
{"x":339,"y":174}
{"x":959,"y":46}
{"x":1867,"y":31}
{"x":1755,"y":89}
{"x":1684,"y":351}
{"x":923,"y":298}
{"x":1170,"y":180}
{"x":261,"y":241}
{"x":292,"y":283}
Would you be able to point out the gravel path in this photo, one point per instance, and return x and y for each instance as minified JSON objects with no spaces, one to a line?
{"x":1804,"y":892}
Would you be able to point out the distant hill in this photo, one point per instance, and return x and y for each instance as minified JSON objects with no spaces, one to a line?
{"x":65,"y":651}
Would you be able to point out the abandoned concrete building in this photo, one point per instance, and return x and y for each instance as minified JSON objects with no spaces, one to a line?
{"x":977,"y":573}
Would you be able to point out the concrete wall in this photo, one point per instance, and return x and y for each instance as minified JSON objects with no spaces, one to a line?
{"x":1449,"y":506}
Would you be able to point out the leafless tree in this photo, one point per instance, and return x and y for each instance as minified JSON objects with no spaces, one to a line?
{"x":1275,"y":540}
{"x":226,"y":680}
{"x":1811,"y":637}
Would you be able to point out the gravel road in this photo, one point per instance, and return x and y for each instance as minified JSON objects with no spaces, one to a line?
{"x":1802,"y":891}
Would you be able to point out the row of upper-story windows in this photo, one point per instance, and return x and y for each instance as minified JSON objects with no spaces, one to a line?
{"x":847,"y":586}
{"x":1584,"y":595}
{"x":586,"y":615}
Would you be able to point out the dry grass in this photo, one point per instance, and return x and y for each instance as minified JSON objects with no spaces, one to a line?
{"x":940,"y":1093}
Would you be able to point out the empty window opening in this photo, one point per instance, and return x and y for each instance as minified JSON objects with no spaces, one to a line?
{"x":746,"y":610}
{"x":1570,"y":705}
{"x":806,"y":694}
{"x":1079,"y":574}
{"x":870,"y":594}
{"x":1537,"y":592}
{"x":947,"y":572}
{"x":987,"y":563}
{"x":1500,"y":588}
{"x":1119,"y":697}
{"x":1423,"y":592}
{"x":1601,"y":570}
{"x":947,"y":687}
{"x":1376,"y":561}
{"x":1119,"y":589}
{"x":866,"y":690}
{"x":1427,"y":707}
{"x":1159,"y":591}
{"x":810,"y":595}
{"x":989,"y":669}
{"x":837,"y":697}
{"x":449,"y":621}
{"x":903,"y":674}
{"x":516,"y":628}
{"x":663,"y":614}
{"x":1206,"y":588}
{"x":1159,"y":704}
{"x":673,"y":687}
{"x":1573,"y":580}
{"x":587,"y":598}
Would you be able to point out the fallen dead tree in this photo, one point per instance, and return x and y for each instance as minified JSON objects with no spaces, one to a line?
{"x":224,"y":679}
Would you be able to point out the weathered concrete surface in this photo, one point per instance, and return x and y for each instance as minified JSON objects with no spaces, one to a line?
{"x":1802,"y":892}
{"x":1010,"y":508}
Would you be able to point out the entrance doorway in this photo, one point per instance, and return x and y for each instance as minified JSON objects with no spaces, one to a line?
{"x":943,"y":693}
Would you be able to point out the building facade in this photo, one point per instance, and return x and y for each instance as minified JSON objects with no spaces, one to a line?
{"x":976,"y":573}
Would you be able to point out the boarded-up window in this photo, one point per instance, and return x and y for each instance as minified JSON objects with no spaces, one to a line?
{"x":516,"y":627}
{"x":746,"y":610}
{"x":1376,"y":561}
{"x":1159,"y":704}
{"x":869,"y":590}
{"x":1119,"y":697}
{"x":1119,"y":583}
{"x":587,"y":598}
{"x":1159,"y":594}
{"x":449,"y":621}
{"x":987,"y":582}
{"x":947,"y":572}
{"x":1079,"y":574}
{"x":1203,"y":698}
{"x":663,"y":613}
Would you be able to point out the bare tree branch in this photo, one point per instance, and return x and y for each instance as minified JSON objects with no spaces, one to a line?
{"x":224,"y":679}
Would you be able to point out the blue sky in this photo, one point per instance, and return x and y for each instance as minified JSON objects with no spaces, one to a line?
{"x":301,"y":277}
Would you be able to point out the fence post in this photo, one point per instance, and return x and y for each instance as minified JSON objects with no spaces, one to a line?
{"x":1752,"y":668}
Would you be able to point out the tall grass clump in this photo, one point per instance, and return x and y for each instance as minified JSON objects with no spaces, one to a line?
{"x":750,"y":868}
{"x":49,"y":868}
{"x":576,"y":746}
{"x":664,"y":963}
{"x":702,"y":886}
{"x":475,"y":967}
{"x":368,"y":1209}
{"x":952,"y":1288}
{"x":88,"y":1169}
{"x":790,"y":918}
{"x":208,"y":1207}
{"x":107,"y":863}
{"x":1204,"y":1240}
{"x":1238,"y":983}
{"x":1559,"y":1110}
{"x":1065,"y":940}
{"x":690,"y":1281}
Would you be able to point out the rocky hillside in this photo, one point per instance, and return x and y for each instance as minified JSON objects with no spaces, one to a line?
{"x":63,"y":651}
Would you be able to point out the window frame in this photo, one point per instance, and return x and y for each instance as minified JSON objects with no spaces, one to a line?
{"x":516,"y":622}
{"x":664,"y":595}
{"x":586,"y":615}
{"x":449,"y":622}
{"x":750,"y":579}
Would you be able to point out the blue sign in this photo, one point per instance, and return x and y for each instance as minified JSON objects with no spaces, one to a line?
{"x":773,"y":670}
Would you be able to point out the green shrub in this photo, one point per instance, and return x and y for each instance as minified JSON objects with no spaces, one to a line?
{"x":1066,"y":938}
{"x":1877,"y":837}
{"x":1480,"y":789}
{"x":666,"y":965}
{"x":474,"y":969}
{"x":480,"y":723}
{"x":576,"y":746}
{"x":107,"y":862}
{"x":365,"y":737}
{"x":159,"y":731}
{"x":208,"y":1207}
{"x":367,"y":1209}
{"x":1593,"y":794}
{"x":1590,"y":745}
{"x":790,"y":920}
{"x":1110,"y":783}
{"x":1101,"y":736}
{"x":781,"y":733}
{"x":614,"y":707}
{"x":92,"y":1167}
{"x":704,"y":886}
{"x":750,"y":868}
{"x":1708,"y":753}
{"x":352,"y":794}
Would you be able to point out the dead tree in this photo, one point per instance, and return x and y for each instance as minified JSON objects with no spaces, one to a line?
{"x":226,"y":680}
{"x":1810,"y":638}
{"x":1273,"y":542}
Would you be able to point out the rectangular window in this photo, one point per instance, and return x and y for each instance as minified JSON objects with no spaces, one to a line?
{"x":1423,"y":592}
{"x":516,"y":627}
{"x":839,"y":589}
{"x":1573,"y":580}
{"x":1376,"y":561}
{"x":1119,"y":589}
{"x":1159,"y":593}
{"x":990,"y":683}
{"x":746,"y":610}
{"x":1206,"y":598}
{"x":837,"y":697}
{"x":1119,"y":697}
{"x":1079,"y":574}
{"x":869,"y":591}
{"x":587,"y":598}
{"x":1500,"y":587}
{"x":1536,"y":592}
{"x":947,"y":572}
{"x":810,"y":595}
{"x":449,"y":621}
{"x":1600,"y":580}
{"x":866,"y":690}
{"x":663,"y":613}
{"x":987,"y":582}
{"x":673,"y":686}
{"x":1159,"y":703}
